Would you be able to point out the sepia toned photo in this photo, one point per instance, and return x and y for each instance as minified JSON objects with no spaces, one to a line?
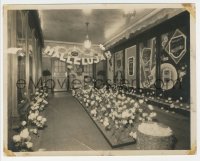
{"x":99,"y":79}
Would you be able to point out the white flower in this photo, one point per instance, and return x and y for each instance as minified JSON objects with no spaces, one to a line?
{"x":172,"y":105}
{"x":36,"y":107}
{"x":32,"y":108}
{"x":130,"y":121}
{"x":132,"y":117}
{"x":153,"y":114}
{"x":92,"y":103}
{"x":141,"y":101}
{"x":149,"y":118}
{"x":39,"y":118}
{"x":39,"y":100}
{"x":133,"y":135}
{"x":24,"y":134}
{"x":29,"y":145}
{"x":43,"y":120}
{"x":144,"y":114}
{"x":124,"y":122}
{"x":31,"y":116}
{"x":93,"y":112}
{"x":16,"y":138}
{"x":23,"y":123}
{"x":103,"y":109}
{"x":150,"y":107}
{"x":128,"y":99}
{"x":35,"y":131}
{"x":169,"y":98}
{"x":140,"y":110}
{"x":133,"y":110}
{"x":108,"y":106}
{"x":105,"y":123}
{"x":125,"y":114}
{"x":45,"y":102}
{"x":136,"y":105}
{"x":37,"y":113}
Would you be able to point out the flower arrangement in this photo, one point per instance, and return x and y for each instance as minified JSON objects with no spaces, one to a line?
{"x":22,"y":141}
{"x":114,"y":110}
{"x":173,"y":103}
{"x":37,"y":119}
{"x":32,"y":122}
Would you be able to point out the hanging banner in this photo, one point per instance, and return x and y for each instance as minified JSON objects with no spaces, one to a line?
{"x":75,"y":55}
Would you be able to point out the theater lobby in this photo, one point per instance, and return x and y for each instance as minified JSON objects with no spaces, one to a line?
{"x":99,"y":78}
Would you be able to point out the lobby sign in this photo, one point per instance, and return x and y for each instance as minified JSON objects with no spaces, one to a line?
{"x":146,"y":61}
{"x":176,"y":47}
{"x":131,"y":66}
{"x":75,"y":55}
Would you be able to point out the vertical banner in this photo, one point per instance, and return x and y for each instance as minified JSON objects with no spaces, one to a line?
{"x":148,"y":63}
{"x":110,"y":69}
{"x":130,"y":66}
{"x":119,"y":66}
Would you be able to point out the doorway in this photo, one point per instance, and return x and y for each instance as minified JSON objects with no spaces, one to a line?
{"x":60,"y":76}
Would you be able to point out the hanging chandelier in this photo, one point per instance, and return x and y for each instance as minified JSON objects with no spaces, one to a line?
{"x":87,"y":43}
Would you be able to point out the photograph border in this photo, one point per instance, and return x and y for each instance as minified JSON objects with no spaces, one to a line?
{"x":193,"y":119}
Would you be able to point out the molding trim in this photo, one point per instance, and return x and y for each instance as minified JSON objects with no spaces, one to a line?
{"x":68,"y":43}
{"x":157,"y":13}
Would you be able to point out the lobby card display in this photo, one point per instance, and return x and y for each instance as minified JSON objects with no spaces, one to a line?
{"x":130,"y":66}
{"x":148,"y":63}
{"x":175,"y":64}
{"x":148,"y":48}
{"x":110,"y":69}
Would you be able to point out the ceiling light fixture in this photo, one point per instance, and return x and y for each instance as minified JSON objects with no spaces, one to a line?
{"x":87,"y":42}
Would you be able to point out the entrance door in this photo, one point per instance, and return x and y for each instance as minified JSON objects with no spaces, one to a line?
{"x":59,"y":75}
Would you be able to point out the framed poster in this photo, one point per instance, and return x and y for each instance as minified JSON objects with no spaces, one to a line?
{"x":131,"y":66}
{"x":147,"y":63}
{"x":110,"y":68}
{"x":176,"y":47}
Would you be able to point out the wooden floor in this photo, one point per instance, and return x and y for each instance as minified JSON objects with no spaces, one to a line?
{"x":70,"y":127}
